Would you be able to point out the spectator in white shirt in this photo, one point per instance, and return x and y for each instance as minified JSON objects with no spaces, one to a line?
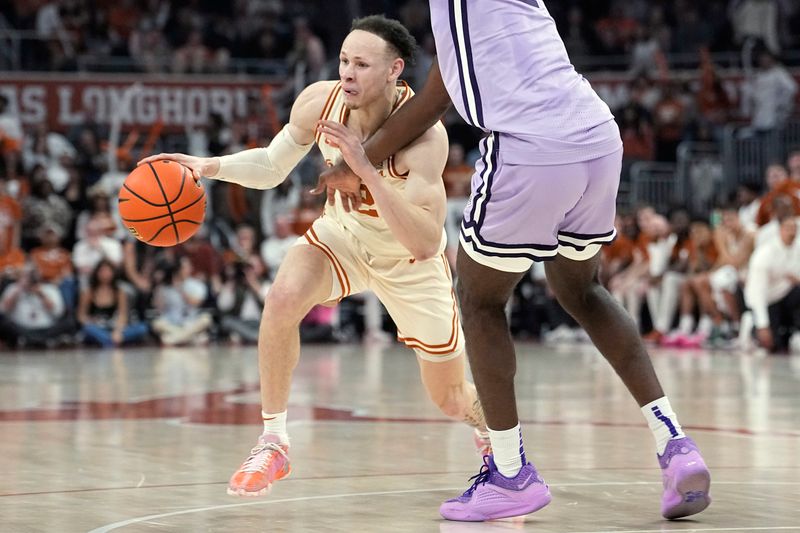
{"x":88,"y":252}
{"x":772,"y":94}
{"x":32,"y":311}
{"x":275,"y":247}
{"x":772,"y":290}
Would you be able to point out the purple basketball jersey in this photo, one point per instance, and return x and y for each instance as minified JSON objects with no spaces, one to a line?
{"x":507,"y":70}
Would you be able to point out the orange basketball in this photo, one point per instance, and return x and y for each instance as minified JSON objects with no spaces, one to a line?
{"x":161,"y":204}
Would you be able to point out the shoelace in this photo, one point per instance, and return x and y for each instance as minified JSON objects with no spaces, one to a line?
{"x":480,"y":478}
{"x":260,"y":456}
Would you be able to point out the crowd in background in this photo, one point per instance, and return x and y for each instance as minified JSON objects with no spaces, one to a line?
{"x":70,"y":273}
{"x":206,"y":36}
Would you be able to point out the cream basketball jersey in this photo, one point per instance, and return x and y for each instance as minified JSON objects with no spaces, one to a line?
{"x":366,"y":224}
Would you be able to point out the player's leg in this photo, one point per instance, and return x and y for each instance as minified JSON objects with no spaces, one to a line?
{"x":573,"y":277}
{"x":578,"y":290}
{"x":483,"y":293}
{"x":314,"y":271}
{"x":302,"y":282}
{"x":454,"y":395}
{"x":509,"y":221}
{"x":420,"y":299}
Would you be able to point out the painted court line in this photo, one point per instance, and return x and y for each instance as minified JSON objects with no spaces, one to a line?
{"x":140,"y":519}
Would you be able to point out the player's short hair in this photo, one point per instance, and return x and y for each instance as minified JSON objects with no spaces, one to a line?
{"x":392,"y":31}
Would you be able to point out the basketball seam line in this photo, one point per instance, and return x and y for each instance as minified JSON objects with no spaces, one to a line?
{"x":168,"y":206}
{"x":184,"y":208}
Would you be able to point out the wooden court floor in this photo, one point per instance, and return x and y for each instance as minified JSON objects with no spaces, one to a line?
{"x":145,"y":440}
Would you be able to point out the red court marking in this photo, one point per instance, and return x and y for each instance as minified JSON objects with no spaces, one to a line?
{"x":214,"y":408}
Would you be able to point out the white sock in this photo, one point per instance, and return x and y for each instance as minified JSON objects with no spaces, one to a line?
{"x":509,"y":457}
{"x":686,"y":324}
{"x":663,"y":422}
{"x":705,"y":325}
{"x":275,"y":424}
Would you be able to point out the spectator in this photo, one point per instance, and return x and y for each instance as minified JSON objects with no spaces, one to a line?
{"x":772,"y":289}
{"x":279,"y":201}
{"x":11,"y":257}
{"x":50,"y":28}
{"x":308,"y":210}
{"x":630,"y":285}
{"x":52,"y":152}
{"x":747,"y":196}
{"x":645,"y":53}
{"x":308,"y":53}
{"x":703,"y":255}
{"x":10,"y":137}
{"x":755,"y":20}
{"x":55,"y":264}
{"x":771,"y":95}
{"x":241,"y":299}
{"x":103,"y":310}
{"x":244,"y":247}
{"x":33,"y":312}
{"x":712,"y":101}
{"x":668,"y":275}
{"x":669,"y":116}
{"x":782,"y":208}
{"x":619,"y":254}
{"x":275,"y":247}
{"x":99,"y":211}
{"x":778,"y":184}
{"x":148,"y":47}
{"x":88,"y":252}
{"x":178,"y":300}
{"x":716,"y":290}
{"x":43,"y":207}
{"x":692,"y":32}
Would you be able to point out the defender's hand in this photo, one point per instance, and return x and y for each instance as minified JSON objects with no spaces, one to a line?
{"x":340,"y":178}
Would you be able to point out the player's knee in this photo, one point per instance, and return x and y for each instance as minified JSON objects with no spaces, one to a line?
{"x":474,"y":303}
{"x":582,"y":297}
{"x":284,"y":304}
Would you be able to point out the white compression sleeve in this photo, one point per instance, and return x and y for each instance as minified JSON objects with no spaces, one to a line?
{"x":263,"y":168}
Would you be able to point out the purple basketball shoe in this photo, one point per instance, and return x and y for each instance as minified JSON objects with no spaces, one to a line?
{"x":686,"y":479}
{"x":493,"y":495}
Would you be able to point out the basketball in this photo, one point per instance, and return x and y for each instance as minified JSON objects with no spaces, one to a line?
{"x":161,"y":204}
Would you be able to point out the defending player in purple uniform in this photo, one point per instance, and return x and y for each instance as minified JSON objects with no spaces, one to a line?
{"x":544,"y":189}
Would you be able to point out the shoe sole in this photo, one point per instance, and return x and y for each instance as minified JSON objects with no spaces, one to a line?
{"x":694,"y":492}
{"x":519,"y":510}
{"x":263,"y":492}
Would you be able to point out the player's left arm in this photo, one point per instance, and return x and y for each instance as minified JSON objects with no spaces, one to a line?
{"x":415,"y":217}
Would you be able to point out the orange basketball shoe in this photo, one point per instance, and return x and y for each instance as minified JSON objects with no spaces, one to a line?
{"x":268,"y":462}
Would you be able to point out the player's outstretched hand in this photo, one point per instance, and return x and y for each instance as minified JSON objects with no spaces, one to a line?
{"x":200,"y":166}
{"x":340,"y":178}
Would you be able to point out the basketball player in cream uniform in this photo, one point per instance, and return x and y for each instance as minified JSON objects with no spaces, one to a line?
{"x":392,"y":244}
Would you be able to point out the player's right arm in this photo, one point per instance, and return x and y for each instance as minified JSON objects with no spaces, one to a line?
{"x":264,"y":168}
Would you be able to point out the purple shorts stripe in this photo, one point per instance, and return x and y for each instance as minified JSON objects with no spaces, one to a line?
{"x":534,"y":211}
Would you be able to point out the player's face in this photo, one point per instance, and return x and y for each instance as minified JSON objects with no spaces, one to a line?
{"x":365,"y":68}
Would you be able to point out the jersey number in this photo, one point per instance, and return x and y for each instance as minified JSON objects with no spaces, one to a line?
{"x":368,"y":200}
